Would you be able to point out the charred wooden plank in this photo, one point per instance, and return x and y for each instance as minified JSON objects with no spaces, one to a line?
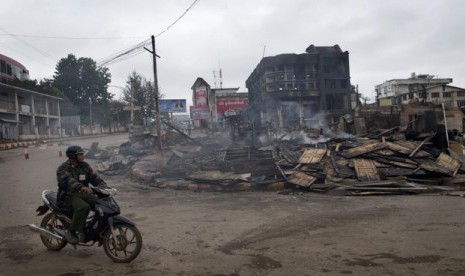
{"x":419,"y":146}
{"x":357,"y":151}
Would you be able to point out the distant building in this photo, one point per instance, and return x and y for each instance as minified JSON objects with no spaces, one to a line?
{"x":403,"y":91}
{"x":228,"y":102}
{"x":212,"y":105}
{"x":296,"y":90}
{"x":201,"y":110}
{"x":27,"y":115}
{"x":451,"y":96}
{"x":10,"y":69}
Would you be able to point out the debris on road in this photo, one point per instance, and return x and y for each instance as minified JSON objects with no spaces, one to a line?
{"x":378,"y":164}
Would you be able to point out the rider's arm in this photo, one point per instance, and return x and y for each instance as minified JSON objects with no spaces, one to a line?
{"x":94,"y":179}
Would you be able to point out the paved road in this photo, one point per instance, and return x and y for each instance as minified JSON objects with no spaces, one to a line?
{"x":250,"y":233}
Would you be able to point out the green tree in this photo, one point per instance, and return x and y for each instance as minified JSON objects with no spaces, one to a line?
{"x":44,"y":86}
{"x":140,"y":92}
{"x":82,"y":81}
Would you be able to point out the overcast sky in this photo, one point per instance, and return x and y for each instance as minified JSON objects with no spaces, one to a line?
{"x":385,"y":39}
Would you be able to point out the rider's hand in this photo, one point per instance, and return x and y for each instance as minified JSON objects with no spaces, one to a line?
{"x":86,"y":190}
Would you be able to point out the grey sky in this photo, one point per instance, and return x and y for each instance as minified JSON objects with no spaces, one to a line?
{"x":385,"y":39}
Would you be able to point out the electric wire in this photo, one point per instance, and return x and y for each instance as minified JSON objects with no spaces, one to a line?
{"x":139,"y":47}
{"x":117,"y":57}
{"x":29,"y":45}
{"x":73,"y":38}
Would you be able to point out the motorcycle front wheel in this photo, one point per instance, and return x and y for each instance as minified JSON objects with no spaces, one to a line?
{"x":125,"y":245}
{"x":52,"y":223}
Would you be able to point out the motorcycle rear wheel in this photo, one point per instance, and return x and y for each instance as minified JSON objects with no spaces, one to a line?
{"x":52,"y":222}
{"x":128,"y":243}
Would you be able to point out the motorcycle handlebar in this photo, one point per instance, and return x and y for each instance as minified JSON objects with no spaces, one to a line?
{"x":105,"y":191}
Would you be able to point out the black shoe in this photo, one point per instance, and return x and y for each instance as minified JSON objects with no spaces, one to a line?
{"x":71,"y":237}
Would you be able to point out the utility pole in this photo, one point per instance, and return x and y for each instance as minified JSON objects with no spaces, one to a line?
{"x":157,"y":110}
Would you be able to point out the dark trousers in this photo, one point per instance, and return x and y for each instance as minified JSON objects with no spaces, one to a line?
{"x":81,"y":203}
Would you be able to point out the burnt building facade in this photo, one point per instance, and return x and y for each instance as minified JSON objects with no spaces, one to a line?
{"x":301,"y":90}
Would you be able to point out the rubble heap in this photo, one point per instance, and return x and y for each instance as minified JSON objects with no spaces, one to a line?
{"x":350,"y":165}
{"x":370,"y":166}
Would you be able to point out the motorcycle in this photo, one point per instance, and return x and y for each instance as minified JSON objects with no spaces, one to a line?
{"x":121,"y":240}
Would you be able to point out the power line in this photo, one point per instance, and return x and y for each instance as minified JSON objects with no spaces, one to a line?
{"x":28,"y":56}
{"x":29,"y":45}
{"x":73,"y":38}
{"x":179,"y":18}
{"x":138,"y":49}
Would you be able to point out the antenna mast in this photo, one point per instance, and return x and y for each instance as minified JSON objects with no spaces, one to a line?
{"x":221,"y":80}
{"x":215,"y":78}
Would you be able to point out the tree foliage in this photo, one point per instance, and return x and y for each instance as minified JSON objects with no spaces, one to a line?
{"x":82,"y":81}
{"x":44,"y":86}
{"x":141,"y":94}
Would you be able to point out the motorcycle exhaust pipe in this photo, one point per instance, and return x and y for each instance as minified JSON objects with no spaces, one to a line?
{"x":43,"y":231}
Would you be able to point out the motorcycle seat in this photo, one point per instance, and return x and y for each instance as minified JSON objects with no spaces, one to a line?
{"x":52,"y":199}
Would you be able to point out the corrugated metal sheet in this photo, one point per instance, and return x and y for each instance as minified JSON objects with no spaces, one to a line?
{"x":301,"y":179}
{"x":448,"y":162}
{"x":312,"y":156}
{"x":353,"y":152}
{"x":366,"y":170}
{"x":407,"y":147}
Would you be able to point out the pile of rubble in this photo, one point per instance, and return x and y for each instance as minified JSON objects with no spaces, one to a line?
{"x":371,"y":166}
{"x":352,"y":166}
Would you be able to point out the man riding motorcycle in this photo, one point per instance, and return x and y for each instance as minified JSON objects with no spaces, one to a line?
{"x":74,"y":193}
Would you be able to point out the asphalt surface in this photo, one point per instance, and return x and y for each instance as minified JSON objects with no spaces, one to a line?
{"x":248,"y":233}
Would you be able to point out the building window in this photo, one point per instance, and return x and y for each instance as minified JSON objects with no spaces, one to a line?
{"x":435,"y":95}
{"x":460,"y":93}
{"x":446,"y":94}
{"x":460,"y":103}
{"x":343,"y":83}
{"x":330,"y":84}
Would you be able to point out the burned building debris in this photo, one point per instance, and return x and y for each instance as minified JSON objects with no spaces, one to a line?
{"x":381,"y":163}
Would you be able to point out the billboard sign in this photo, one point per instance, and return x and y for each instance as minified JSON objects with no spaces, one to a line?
{"x":201,"y":97}
{"x":172,"y":105}
{"x":200,"y":113}
{"x":227,"y":104}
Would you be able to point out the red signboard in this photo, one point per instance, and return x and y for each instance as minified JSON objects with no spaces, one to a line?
{"x":223,"y":105}
{"x":201,"y":97}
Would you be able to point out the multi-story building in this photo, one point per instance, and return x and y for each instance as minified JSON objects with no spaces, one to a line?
{"x":451,"y":96}
{"x":25,"y":114}
{"x":403,"y":91}
{"x":11,"y":69}
{"x":292,"y":90}
{"x":28,"y":115}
